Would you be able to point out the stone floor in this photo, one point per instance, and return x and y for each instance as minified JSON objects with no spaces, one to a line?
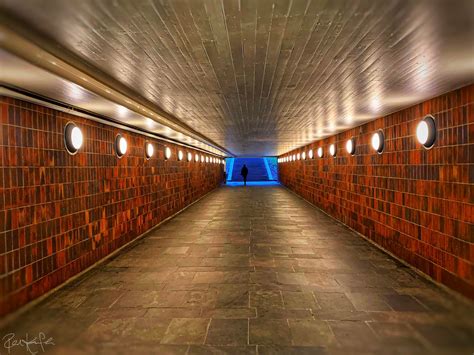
{"x":250,"y":270}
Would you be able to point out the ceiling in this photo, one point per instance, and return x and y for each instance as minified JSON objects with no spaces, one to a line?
{"x":261,"y":77}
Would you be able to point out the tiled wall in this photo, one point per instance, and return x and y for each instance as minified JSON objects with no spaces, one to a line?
{"x":416,"y":203}
{"x":60,"y":213}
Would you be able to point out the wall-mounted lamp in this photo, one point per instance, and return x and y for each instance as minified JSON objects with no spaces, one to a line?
{"x":378,"y":141}
{"x":189,"y":156}
{"x":426,"y":132}
{"x":120,"y":145}
{"x":332,"y":150}
{"x":303,"y":155}
{"x":167,"y":153}
{"x":149,"y":150}
{"x":310,"y":154}
{"x":320,"y":152}
{"x":73,"y":138}
{"x":350,"y":146}
{"x":298,"y":156}
{"x":180,"y":155}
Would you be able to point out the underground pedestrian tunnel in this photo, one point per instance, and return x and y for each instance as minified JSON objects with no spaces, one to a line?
{"x":125,"y":225}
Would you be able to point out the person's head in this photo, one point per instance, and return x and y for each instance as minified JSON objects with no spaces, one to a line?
{"x":245,"y":165}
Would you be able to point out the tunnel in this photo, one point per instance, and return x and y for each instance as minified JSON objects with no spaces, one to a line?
{"x":237,"y":177}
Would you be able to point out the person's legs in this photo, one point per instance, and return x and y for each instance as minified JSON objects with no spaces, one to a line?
{"x":245,"y":180}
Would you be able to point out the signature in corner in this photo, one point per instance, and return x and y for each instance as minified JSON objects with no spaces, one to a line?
{"x":33,"y":345}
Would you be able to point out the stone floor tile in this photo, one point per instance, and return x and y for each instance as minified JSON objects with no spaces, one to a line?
{"x":308,"y":332}
{"x":228,"y":332}
{"x":269,"y":332}
{"x":186,"y":331}
{"x":266,"y":299}
{"x":299,"y":300}
{"x":404,"y":303}
{"x":333,"y":301}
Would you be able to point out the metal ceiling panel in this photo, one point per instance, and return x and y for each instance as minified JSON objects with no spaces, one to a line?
{"x":261,"y":77}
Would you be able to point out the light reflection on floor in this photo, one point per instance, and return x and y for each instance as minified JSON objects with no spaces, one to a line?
{"x":253,"y":183}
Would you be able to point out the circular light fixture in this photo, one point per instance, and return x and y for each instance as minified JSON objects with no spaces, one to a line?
{"x":180,"y":155}
{"x":167,"y":153}
{"x":350,"y":146}
{"x":294,"y":157}
{"x":378,"y":141}
{"x":320,"y":152}
{"x":332,"y":150}
{"x":298,"y":156}
{"x":207,"y":159}
{"x":426,"y":132}
{"x":189,"y":156}
{"x":202,"y":158}
{"x":149,"y":150}
{"x":303,"y":155}
{"x":120,"y":145}
{"x":196,"y":157}
{"x":73,"y":138}
{"x":310,"y":154}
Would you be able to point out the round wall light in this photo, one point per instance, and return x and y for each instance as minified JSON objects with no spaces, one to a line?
{"x":149,"y":150}
{"x":294,"y":157}
{"x":180,"y":155}
{"x":167,"y":153}
{"x":378,"y":141}
{"x":207,"y":159}
{"x":332,"y":150}
{"x":303,"y":155}
{"x":189,"y":156}
{"x":320,"y":152}
{"x":350,"y":146}
{"x":120,"y":145}
{"x":202,"y":158}
{"x":73,"y":138}
{"x":196,"y":157}
{"x":426,"y":132}
{"x":298,"y":156}
{"x":310,"y":154}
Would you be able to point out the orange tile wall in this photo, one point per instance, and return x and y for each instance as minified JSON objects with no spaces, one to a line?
{"x":416,"y":203}
{"x":60,"y":213}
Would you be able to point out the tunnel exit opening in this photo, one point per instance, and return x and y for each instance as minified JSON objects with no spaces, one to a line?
{"x":260,"y":169}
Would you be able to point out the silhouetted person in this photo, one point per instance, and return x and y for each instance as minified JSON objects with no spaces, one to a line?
{"x":244,"y":172}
